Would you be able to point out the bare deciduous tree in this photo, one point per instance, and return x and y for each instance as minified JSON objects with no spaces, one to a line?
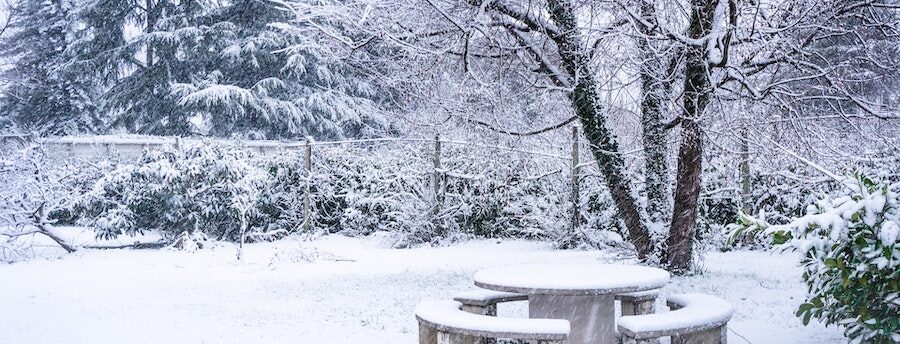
{"x":34,"y":187}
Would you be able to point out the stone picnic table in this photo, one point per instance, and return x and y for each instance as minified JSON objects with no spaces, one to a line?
{"x":584,"y":294}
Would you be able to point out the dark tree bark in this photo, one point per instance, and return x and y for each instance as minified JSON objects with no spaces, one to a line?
{"x":654,"y":95}
{"x":563,"y":31}
{"x":152,"y":15}
{"x":602,"y":141}
{"x":697,"y":90}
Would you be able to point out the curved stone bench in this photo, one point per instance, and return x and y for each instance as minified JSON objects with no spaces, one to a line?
{"x":484,"y":302}
{"x":693,"y":319}
{"x":444,"y":322}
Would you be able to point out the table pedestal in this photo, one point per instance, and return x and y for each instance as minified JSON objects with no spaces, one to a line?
{"x":592,"y":317}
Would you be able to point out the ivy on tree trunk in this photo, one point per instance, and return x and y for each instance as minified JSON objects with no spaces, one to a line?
{"x":654,"y":95}
{"x":602,"y":141}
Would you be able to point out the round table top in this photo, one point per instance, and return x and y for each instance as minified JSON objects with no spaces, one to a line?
{"x":572,"y":279}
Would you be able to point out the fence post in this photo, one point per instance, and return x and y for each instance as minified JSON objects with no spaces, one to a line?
{"x":436,"y":177}
{"x":307,"y":163}
{"x":745,"y":172}
{"x":576,"y":173}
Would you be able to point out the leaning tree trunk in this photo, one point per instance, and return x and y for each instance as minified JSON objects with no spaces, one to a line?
{"x":602,"y":141}
{"x":40,"y":221}
{"x":696,"y":96}
{"x":654,"y":94}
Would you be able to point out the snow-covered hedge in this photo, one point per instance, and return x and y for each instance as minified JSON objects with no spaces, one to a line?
{"x":222,"y":190}
{"x":359,"y":191}
{"x":207,"y":188}
{"x":782,"y":195}
{"x":850,"y":256}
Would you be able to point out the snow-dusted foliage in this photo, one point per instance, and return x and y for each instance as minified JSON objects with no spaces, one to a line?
{"x":363,"y":190}
{"x":601,"y":225}
{"x":782,"y":192}
{"x":850,"y":254}
{"x":271,"y":74}
{"x":245,"y":68}
{"x":359,"y":191}
{"x":493,"y":194}
{"x":221,"y":190}
{"x":37,"y":95}
{"x":203,"y":187}
{"x":35,"y":195}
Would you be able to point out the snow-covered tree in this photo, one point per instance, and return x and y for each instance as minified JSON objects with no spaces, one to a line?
{"x":557,"y":43}
{"x":247,"y":68}
{"x":129,"y":49}
{"x":276,"y":69}
{"x":718,"y":70}
{"x":38,"y":95}
{"x":33,"y":190}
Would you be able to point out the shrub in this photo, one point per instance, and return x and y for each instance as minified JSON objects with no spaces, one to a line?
{"x":503,"y":195}
{"x":220,"y":190}
{"x":372,"y":192}
{"x":204,"y":187}
{"x":282,"y":195}
{"x":391,"y":190}
{"x":850,"y":258}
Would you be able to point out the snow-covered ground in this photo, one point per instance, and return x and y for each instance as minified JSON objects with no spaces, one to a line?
{"x":332,"y":290}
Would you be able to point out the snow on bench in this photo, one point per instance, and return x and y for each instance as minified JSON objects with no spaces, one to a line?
{"x":638,"y":303}
{"x":694,"y":318}
{"x":484,"y":302}
{"x":444,"y":322}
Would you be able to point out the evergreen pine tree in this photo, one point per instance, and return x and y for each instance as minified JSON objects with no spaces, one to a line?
{"x":132,"y":48}
{"x":246,"y":68}
{"x":265,"y":74}
{"x":40,"y":95}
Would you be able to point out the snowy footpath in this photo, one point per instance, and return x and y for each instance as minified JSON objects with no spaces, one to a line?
{"x":332,"y":290}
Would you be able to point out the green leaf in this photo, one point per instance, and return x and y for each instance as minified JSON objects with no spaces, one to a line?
{"x":781,"y":237}
{"x":804,"y":307}
{"x":817,"y":302}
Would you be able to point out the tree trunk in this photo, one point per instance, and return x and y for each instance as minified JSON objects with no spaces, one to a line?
{"x":40,"y":221}
{"x":653,"y":103}
{"x":697,"y":92}
{"x":152,"y":16}
{"x":48,"y":231}
{"x":602,"y":141}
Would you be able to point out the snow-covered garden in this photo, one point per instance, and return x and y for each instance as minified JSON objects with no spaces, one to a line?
{"x":332,"y":290}
{"x":450,"y":171}
{"x":207,"y":241}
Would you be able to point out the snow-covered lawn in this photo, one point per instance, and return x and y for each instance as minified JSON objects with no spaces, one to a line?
{"x":332,"y":290}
